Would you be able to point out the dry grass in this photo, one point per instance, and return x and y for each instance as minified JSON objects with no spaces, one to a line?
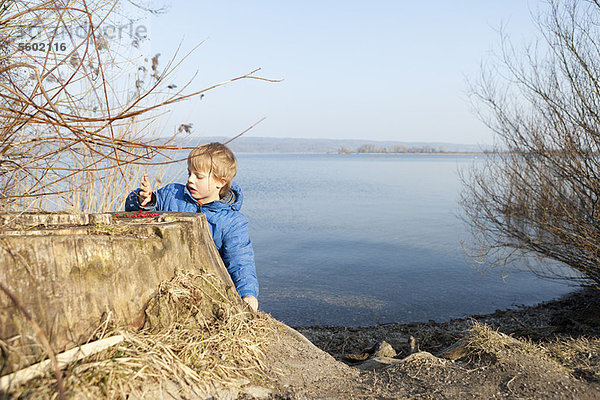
{"x":482,"y":339}
{"x":211,"y":338}
{"x":580,"y":355}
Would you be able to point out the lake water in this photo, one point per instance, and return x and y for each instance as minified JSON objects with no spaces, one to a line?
{"x":369,"y":239}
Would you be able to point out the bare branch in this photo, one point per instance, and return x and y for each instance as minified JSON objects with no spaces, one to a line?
{"x":537,"y":196}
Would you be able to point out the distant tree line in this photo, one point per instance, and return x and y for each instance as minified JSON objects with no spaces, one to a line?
{"x":397,"y":148}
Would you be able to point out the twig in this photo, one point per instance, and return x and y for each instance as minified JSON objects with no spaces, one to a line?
{"x":62,"y":360}
{"x":43,"y":339}
{"x":509,"y":382}
{"x":237,"y":136}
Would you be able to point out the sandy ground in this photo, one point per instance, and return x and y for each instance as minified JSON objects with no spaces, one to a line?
{"x":550,"y":351}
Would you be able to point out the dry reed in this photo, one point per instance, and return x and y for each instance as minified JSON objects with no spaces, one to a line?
{"x":74,"y":127}
{"x":71,"y":139}
{"x":213,"y":340}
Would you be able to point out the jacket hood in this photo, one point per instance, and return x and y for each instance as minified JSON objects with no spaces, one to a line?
{"x":234,"y":198}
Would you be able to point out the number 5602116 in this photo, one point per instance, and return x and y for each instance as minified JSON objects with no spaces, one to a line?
{"x":42,"y":46}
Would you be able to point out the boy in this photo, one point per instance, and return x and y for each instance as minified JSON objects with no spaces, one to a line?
{"x":209,"y":189}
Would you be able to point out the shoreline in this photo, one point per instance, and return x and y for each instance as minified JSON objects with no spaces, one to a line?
{"x":544,"y":320}
{"x":448,"y":153}
{"x":550,"y":350}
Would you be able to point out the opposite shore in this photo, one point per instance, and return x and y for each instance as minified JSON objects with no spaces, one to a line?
{"x":438,"y":153}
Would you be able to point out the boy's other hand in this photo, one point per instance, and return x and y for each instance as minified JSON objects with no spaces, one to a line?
{"x":145,"y":194}
{"x":252,"y":302}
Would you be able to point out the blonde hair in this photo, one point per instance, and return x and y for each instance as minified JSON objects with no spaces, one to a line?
{"x":216,"y":159}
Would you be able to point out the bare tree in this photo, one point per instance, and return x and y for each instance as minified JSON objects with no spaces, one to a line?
{"x":538,"y":194}
{"x":77,"y":106}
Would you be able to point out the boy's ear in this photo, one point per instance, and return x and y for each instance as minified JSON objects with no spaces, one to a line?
{"x":222,"y":182}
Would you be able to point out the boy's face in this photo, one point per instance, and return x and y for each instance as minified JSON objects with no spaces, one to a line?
{"x":204,"y":186}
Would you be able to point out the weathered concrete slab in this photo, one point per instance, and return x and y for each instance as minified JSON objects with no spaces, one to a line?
{"x":71,"y":269}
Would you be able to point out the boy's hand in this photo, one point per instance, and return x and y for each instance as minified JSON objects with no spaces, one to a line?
{"x":145,"y":194}
{"x":252,"y":302}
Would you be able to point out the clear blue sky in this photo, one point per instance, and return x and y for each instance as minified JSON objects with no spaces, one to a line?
{"x":379,"y":70}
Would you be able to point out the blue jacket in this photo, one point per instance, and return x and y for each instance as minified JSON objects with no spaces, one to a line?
{"x":228,"y":226}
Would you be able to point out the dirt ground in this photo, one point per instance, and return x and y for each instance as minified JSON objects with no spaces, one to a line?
{"x":550,"y":351}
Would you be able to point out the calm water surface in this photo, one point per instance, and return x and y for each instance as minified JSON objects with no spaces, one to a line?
{"x":368,"y":239}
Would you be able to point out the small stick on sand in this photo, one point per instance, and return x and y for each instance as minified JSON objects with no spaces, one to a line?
{"x":69,"y":356}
